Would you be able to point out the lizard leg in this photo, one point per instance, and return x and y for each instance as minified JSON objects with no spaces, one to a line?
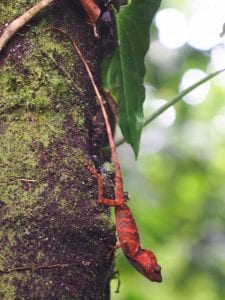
{"x":101,"y":198}
{"x":100,"y":183}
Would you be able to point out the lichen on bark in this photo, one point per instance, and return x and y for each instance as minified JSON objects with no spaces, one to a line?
{"x":50,"y":125}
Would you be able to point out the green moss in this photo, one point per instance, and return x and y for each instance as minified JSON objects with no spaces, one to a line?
{"x":8,"y":11}
{"x":15,"y":151}
{"x":78,"y":117}
{"x":107,"y":222}
{"x":8,"y":235}
{"x":19,"y":161}
{"x":44,"y":75}
{"x":46,"y":86}
{"x":41,"y":80}
{"x":7,"y":288}
{"x":40,"y":256}
{"x":54,"y":50}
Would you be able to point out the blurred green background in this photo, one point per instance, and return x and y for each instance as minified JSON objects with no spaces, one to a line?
{"x":177,"y":185}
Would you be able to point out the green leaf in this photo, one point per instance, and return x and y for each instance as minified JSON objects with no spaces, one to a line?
{"x":123,"y":74}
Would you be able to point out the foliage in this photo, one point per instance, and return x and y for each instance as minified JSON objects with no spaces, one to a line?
{"x":177,"y":191}
{"x":123,"y":73}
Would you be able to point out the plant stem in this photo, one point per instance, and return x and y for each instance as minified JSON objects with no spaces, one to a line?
{"x":174,"y":100}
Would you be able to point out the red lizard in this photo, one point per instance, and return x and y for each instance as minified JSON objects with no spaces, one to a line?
{"x":143,"y":260}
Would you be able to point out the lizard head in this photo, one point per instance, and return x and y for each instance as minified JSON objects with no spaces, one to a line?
{"x":146,"y":263}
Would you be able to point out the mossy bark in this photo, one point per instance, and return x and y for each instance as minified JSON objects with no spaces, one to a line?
{"x":50,"y":124}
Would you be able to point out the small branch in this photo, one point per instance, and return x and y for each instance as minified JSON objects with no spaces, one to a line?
{"x":18,"y":180}
{"x":20,"y":269}
{"x":174,"y":100}
{"x":25,"y":180}
{"x":15,"y":25}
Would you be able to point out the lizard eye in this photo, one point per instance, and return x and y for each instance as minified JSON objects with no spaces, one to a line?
{"x":157,"y":269}
{"x":126,"y":196}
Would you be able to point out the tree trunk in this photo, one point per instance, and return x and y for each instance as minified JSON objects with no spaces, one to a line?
{"x":54,"y":237}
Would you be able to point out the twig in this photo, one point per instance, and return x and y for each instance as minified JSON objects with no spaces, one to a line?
{"x":18,"y":180}
{"x":174,"y":100}
{"x":25,"y":180}
{"x":15,"y":25}
{"x":19,"y":269}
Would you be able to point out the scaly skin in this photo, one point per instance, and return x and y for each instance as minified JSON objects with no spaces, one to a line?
{"x":143,"y":260}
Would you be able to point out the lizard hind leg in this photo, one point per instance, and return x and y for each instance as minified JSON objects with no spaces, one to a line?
{"x":100,"y":179}
{"x":101,"y":199}
{"x":92,"y":170}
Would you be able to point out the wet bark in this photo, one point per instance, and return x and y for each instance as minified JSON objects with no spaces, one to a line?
{"x":54,"y":237}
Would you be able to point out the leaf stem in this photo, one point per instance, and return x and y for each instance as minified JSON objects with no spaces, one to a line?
{"x":174,"y":100}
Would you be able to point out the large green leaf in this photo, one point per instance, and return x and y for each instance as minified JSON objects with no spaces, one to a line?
{"x":123,"y":73}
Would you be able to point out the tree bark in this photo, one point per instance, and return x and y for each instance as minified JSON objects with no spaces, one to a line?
{"x":54,"y":237}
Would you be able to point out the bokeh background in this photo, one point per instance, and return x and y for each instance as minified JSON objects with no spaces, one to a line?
{"x":177,"y":185}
